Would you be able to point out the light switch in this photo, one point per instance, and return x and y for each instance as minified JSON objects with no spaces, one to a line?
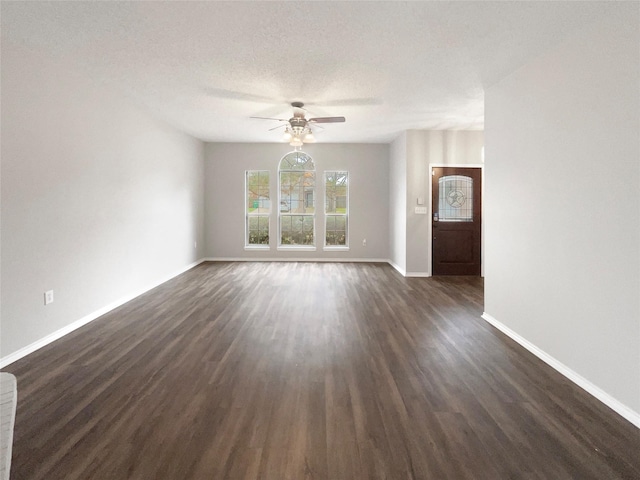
{"x":421,"y":210}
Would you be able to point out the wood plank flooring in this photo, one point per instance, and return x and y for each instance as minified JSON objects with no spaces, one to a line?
{"x":307,"y":371}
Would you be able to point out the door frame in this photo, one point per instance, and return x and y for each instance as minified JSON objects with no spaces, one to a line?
{"x":430,"y":225}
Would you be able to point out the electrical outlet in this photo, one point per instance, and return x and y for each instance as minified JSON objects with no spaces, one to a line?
{"x":364,"y":242}
{"x":48,"y":297}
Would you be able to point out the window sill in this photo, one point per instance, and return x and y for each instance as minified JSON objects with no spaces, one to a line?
{"x":335,"y":249}
{"x":297,"y":248}
{"x":257,"y":247}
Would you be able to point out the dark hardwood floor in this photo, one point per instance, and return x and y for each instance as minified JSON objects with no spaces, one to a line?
{"x":307,"y":371}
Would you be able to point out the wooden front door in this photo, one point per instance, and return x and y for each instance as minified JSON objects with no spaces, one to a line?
{"x":456,"y":220}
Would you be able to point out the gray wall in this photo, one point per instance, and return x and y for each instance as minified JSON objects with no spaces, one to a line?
{"x":418,"y":239}
{"x":367,"y":165}
{"x":562,"y":212}
{"x":409,"y":178}
{"x":99,"y":200}
{"x":398,"y":203}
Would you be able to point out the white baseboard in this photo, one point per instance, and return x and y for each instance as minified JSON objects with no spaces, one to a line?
{"x":404,"y":273}
{"x":417,"y":274}
{"x":292,"y":259}
{"x":400,"y":270}
{"x":608,"y":400}
{"x":17,"y":355}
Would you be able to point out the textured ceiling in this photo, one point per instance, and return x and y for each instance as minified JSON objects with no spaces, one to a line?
{"x":206,"y":67}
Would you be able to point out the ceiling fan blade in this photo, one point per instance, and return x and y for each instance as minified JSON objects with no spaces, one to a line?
{"x":269,"y":118}
{"x":275,"y":128}
{"x":347,"y":102}
{"x":236,"y":95}
{"x":299,"y":106}
{"x":327,"y":120}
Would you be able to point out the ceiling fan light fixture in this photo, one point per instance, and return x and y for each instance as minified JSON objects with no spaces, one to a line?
{"x":297,"y":128}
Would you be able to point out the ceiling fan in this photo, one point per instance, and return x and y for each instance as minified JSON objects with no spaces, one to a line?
{"x":298,"y":128}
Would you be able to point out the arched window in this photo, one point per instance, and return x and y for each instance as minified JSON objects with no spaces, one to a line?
{"x":297,"y":184}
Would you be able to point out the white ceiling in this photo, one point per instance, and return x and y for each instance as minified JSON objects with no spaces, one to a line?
{"x":206,"y":67}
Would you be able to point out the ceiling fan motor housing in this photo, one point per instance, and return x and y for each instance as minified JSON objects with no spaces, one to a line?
{"x":298,"y":123}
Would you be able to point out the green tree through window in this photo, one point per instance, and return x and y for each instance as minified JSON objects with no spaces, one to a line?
{"x":336,"y":201}
{"x":257,"y":208}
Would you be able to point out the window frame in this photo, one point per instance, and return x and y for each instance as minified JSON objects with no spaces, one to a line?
{"x":281,"y":214}
{"x":248,"y":215}
{"x":327,"y":215}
